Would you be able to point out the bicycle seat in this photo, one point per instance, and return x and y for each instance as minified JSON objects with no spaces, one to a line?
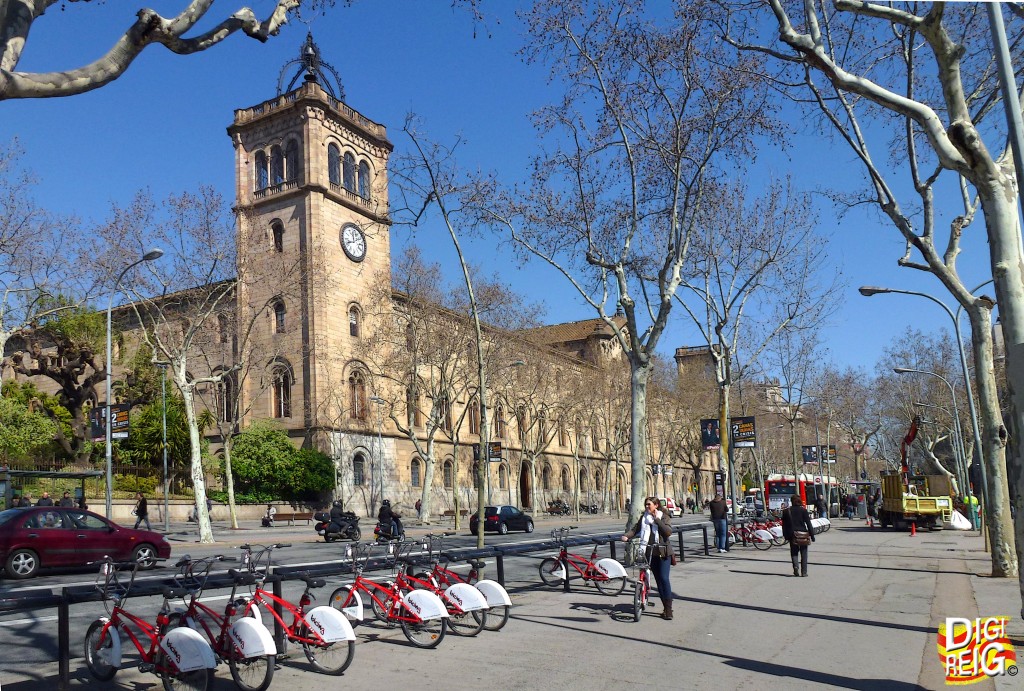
{"x":170,"y":593}
{"x":476,"y":563}
{"x":242,"y":577}
{"x":314,"y":582}
{"x":411,"y":561}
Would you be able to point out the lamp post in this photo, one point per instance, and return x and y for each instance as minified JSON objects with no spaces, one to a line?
{"x":378,"y":466}
{"x":868,"y":291}
{"x":163,"y":399}
{"x":956,"y":419}
{"x":148,"y":256}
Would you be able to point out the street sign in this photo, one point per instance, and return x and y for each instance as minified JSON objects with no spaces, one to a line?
{"x":744,"y":432}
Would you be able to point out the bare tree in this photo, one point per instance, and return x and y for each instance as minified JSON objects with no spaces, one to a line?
{"x":921,"y":79}
{"x":652,"y":116}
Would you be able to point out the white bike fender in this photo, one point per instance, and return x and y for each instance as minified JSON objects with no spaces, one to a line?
{"x":560,"y":572}
{"x":354,"y":612}
{"x":115,"y":644}
{"x":466,"y":597}
{"x":763,"y":535}
{"x":330,"y":624}
{"x":188,"y":649}
{"x":425,"y":604}
{"x":611,"y":568}
{"x":776,"y":531}
{"x":252,"y":638}
{"x":494,"y":593}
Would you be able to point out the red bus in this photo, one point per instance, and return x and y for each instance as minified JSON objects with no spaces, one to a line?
{"x":780,"y":490}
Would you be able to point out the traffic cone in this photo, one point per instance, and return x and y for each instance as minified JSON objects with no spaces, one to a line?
{"x":913,"y":529}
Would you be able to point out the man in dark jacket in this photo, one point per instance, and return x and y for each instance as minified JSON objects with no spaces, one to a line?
{"x":719,"y":512}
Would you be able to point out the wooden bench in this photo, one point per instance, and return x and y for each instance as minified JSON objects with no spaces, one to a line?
{"x":292,"y":516}
{"x":451,"y":514}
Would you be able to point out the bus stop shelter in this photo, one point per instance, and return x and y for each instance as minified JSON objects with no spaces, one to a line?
{"x":10,"y":478}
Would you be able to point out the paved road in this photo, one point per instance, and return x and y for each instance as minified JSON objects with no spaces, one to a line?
{"x":865,"y":618}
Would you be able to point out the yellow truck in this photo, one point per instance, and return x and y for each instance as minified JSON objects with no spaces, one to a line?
{"x":925,"y":501}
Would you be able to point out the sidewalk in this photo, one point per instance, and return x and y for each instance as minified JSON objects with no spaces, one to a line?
{"x":865,"y":618}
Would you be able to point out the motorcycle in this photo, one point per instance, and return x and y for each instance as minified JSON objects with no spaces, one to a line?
{"x":387,"y":533}
{"x":559,"y":508}
{"x":346,"y":529}
{"x":588,"y":508}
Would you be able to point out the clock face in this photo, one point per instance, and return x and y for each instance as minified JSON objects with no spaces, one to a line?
{"x":353,"y":242}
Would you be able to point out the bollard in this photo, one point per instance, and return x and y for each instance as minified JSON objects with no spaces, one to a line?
{"x":707,"y":550}
{"x":499,"y":560}
{"x":682,"y":549}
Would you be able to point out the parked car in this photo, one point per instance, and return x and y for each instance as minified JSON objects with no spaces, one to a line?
{"x":670,"y":505}
{"x":752,"y":506}
{"x":40,"y":537}
{"x":502,"y":519}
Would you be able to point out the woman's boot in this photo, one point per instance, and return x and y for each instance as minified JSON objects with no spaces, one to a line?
{"x":667,"y":613}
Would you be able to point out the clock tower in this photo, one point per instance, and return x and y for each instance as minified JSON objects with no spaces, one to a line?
{"x":313,"y":239}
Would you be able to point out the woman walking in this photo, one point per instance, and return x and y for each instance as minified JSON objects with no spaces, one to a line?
{"x":796,"y":527}
{"x":655,"y":530}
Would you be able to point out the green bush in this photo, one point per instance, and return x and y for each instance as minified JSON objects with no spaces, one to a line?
{"x":267,"y":466}
{"x":255,"y":497}
{"x":133,"y":484}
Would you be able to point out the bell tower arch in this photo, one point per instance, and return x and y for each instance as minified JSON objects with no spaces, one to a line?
{"x":311,"y":197}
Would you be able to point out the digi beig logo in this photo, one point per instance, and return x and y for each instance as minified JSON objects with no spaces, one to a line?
{"x":974,"y":649}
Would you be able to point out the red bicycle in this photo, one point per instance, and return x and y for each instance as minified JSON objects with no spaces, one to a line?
{"x":498,"y":601}
{"x":326,"y":637}
{"x":607,"y":574}
{"x":421,"y":614}
{"x":179,"y":656}
{"x":244,"y":642}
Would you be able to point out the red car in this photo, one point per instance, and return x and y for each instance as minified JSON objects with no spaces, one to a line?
{"x":38,"y":537}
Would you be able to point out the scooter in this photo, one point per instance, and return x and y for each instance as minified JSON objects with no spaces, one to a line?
{"x":387,"y":533}
{"x":348,"y":529}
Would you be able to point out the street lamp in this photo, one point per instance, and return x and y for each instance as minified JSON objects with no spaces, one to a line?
{"x":868,"y":291}
{"x":956,"y":419}
{"x":380,"y":402}
{"x":163,"y":399}
{"x":148,"y":256}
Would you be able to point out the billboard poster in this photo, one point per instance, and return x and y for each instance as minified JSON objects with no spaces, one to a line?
{"x":744,"y":432}
{"x":118,"y":422}
{"x":810,"y":454}
{"x":710,"y":436}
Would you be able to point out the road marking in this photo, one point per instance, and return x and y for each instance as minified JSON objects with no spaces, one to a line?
{"x":31,"y":620}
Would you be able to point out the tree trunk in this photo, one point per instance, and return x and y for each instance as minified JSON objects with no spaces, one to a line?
{"x":198,"y":477}
{"x":230,"y":480}
{"x":639,"y":376}
{"x":1005,"y":559}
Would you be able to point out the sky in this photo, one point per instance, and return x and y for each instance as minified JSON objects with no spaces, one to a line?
{"x":162,"y":125}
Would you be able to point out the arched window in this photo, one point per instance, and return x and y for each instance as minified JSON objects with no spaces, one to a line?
{"x":502,"y":477}
{"x":279,"y":313}
{"x":278,"y":231}
{"x":563,"y":440}
{"x":276,"y":166}
{"x":359,"y":470}
{"x":474,"y":415}
{"x":353,"y":321}
{"x":364,"y":179}
{"x":348,"y":166}
{"x":448,"y":472}
{"x":223,"y":328}
{"x":499,"y":422}
{"x":443,"y":410}
{"x":260,"y":170}
{"x":334,"y":164}
{"x":565,"y":479}
{"x":357,"y":395}
{"x":521,"y":422}
{"x":584,"y":479}
{"x":225,"y":400}
{"x":414,"y":473}
{"x":414,"y":417}
{"x":410,"y":337}
{"x":598,"y":485}
{"x":545,"y":477}
{"x":281,"y":393}
{"x":292,"y":168}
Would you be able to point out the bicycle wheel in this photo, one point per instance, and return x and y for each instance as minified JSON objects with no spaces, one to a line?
{"x":638,"y":600}
{"x":330,"y":658}
{"x":778,"y":540}
{"x":380,"y":610}
{"x":761,"y":543}
{"x":609,"y":585}
{"x":175,"y":680}
{"x":98,"y":649}
{"x":425,"y":634}
{"x":467,"y":623}
{"x":342,"y":598}
{"x":251,"y":673}
{"x":551,"y":572}
{"x":497,"y":617}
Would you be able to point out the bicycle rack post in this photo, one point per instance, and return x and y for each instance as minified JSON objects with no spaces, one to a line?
{"x":279,"y":639}
{"x":682,"y":550}
{"x":499,"y":562}
{"x":64,"y":642}
{"x":707,"y":550}
{"x":611,"y":548}
{"x":565,"y":581}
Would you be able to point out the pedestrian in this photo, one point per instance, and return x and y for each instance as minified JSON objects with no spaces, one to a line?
{"x":66,"y":501}
{"x":26,"y":499}
{"x":719,"y":511}
{"x":141,"y":511}
{"x":419,"y":505}
{"x":45,"y":500}
{"x":690,"y":504}
{"x":795,"y":520}
{"x":655,"y":530}
{"x":821,"y":507}
{"x":268,"y":517}
{"x":82,"y":505}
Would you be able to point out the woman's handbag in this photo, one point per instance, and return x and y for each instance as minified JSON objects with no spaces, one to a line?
{"x":801,"y":538}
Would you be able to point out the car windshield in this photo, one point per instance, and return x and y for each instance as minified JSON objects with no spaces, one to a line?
{"x":491,"y":511}
{"x":7,"y":515}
